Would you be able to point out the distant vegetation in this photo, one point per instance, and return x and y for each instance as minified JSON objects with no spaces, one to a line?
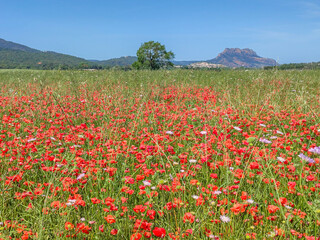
{"x":312,"y":65}
{"x":122,"y":61}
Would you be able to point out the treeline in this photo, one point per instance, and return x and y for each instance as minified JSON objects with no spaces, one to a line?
{"x":296,"y":66}
{"x":51,"y":66}
{"x":122,"y":61}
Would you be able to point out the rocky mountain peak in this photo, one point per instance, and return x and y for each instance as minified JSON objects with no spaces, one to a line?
{"x":236,"y":57}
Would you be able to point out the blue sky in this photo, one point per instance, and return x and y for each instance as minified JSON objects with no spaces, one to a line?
{"x":286,"y":30}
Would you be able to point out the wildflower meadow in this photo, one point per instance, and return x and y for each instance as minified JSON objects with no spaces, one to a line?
{"x":180,"y":154}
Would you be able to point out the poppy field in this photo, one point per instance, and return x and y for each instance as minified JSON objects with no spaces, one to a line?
{"x":182,"y":154}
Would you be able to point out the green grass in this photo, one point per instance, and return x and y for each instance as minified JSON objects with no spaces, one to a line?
{"x":126,"y":112}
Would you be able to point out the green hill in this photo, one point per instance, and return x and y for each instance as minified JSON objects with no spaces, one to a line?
{"x":122,"y":61}
{"x":13,"y":55}
{"x":39,"y":60}
{"x":15,"y":46}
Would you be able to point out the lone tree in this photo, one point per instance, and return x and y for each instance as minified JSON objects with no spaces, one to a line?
{"x":153,"y":55}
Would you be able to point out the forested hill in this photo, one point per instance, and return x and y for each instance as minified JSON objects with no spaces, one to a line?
{"x":121,"y":61}
{"x":13,"y":55}
{"x":15,"y":46}
{"x":38,"y":60}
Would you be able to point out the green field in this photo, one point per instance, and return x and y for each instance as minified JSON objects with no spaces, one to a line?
{"x":177,"y":154}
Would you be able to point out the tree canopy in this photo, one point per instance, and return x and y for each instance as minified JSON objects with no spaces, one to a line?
{"x":153,"y":55}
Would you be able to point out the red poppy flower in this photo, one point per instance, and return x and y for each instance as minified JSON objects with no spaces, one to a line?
{"x":159,"y":232}
{"x":188,"y":217}
{"x":272,"y":208}
{"x":136,"y":236}
{"x":238,"y":208}
{"x":114,"y":232}
{"x":68,"y":226}
{"x":110,"y":219}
